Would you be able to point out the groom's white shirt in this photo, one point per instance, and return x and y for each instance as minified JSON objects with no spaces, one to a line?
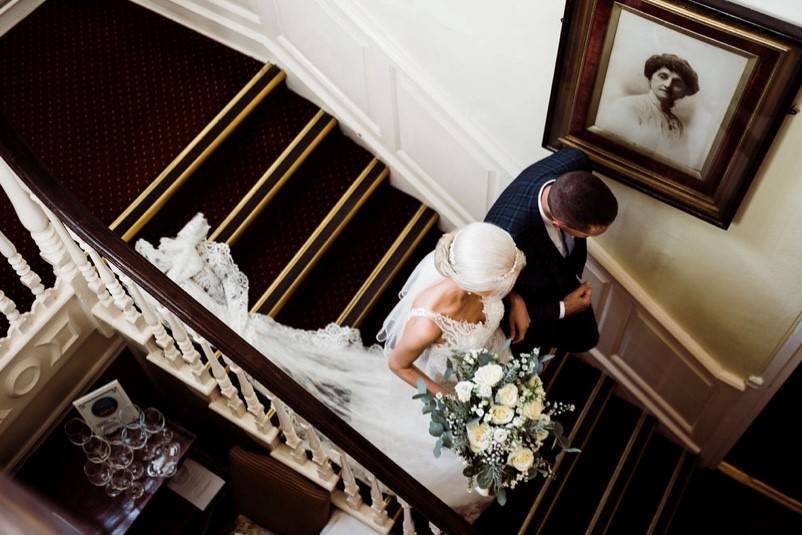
{"x":555,"y":235}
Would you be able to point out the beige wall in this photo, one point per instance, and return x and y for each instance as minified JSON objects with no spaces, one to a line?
{"x":737,"y":292}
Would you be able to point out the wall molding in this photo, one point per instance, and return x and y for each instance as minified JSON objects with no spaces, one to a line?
{"x":645,"y":300}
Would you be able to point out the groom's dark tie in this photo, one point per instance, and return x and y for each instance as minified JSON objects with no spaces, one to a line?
{"x":564,"y":241}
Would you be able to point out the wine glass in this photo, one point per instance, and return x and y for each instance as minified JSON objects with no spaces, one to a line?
{"x":120,"y":480}
{"x":133,"y":421}
{"x":165,"y":464}
{"x":78,"y":431}
{"x":134,"y":436}
{"x":97,"y":449}
{"x":98,"y":474}
{"x":152,"y":420}
{"x":111,"y":429}
{"x":135,"y":490}
{"x":120,"y":455}
{"x":137,"y":469}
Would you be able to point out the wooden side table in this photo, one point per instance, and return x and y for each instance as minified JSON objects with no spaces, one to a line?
{"x":56,"y":472}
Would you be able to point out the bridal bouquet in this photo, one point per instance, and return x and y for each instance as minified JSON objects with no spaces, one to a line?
{"x":497,"y":420}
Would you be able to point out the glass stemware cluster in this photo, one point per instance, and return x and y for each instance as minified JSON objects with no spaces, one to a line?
{"x":123,"y":450}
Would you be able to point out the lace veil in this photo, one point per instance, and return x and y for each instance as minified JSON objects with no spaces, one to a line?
{"x":424,"y":276}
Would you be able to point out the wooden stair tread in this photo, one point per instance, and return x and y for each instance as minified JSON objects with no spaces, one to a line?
{"x":370,"y":327}
{"x":356,"y":252}
{"x":276,"y":235}
{"x":640,"y":502}
{"x":581,"y":489}
{"x":227,"y":175}
{"x":175,"y":175}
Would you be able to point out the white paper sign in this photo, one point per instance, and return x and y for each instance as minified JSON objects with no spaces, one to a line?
{"x":195,"y":484}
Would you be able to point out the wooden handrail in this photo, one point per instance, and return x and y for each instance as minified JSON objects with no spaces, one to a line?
{"x":93,"y":232}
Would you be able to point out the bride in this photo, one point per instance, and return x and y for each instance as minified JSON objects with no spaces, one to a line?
{"x":451,"y":301}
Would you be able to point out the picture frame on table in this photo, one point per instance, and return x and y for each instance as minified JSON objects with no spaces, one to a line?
{"x":679,"y":99}
{"x":105,"y":403}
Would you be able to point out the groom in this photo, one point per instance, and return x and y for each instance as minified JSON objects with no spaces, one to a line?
{"x":550,"y":209}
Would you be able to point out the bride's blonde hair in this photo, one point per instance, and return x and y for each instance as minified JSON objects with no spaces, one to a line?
{"x":480,"y":257}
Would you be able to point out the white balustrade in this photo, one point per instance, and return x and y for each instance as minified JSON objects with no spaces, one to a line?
{"x":78,"y":257}
{"x":353,"y":499}
{"x":189,"y":354}
{"x":227,"y":388}
{"x":9,"y":310}
{"x":287,"y":426}
{"x":377,"y":504}
{"x":121,"y":299}
{"x":26,"y":275}
{"x":319,"y":456}
{"x":255,"y":406}
{"x":163,"y":340}
{"x":35,"y":221}
{"x":408,"y":524}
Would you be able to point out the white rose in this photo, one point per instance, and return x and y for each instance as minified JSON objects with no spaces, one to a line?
{"x":485,"y":391}
{"x":507,"y":395}
{"x":535,"y":382}
{"x":522,"y":459}
{"x":518,"y":421}
{"x":501,"y":414}
{"x":501,"y":435}
{"x":489,"y":374}
{"x":532,"y":409}
{"x":478,"y":436}
{"x":464,"y":389}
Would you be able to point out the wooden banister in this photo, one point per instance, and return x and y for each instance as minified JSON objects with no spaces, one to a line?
{"x":97,"y":235}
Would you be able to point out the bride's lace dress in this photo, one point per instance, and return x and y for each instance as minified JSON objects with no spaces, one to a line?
{"x":334,"y":365}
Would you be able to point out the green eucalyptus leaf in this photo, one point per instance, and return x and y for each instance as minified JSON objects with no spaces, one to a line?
{"x":501,"y":496}
{"x":435,"y":429}
{"x":421,"y":386}
{"x":438,"y":448}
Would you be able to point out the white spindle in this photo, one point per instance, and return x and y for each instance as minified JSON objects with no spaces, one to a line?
{"x":408,"y":523}
{"x":227,"y":388}
{"x":287,"y":427}
{"x":9,"y":310}
{"x":377,"y":504}
{"x":163,"y":340}
{"x":121,"y":299}
{"x":353,"y":498}
{"x":79,"y":259}
{"x":255,"y":406}
{"x":435,"y":529}
{"x":35,"y":221}
{"x":319,"y":456}
{"x":189,"y":354}
{"x":26,"y":275}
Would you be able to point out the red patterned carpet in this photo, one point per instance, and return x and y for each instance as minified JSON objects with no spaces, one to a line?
{"x":106,"y":93}
{"x":221,"y":181}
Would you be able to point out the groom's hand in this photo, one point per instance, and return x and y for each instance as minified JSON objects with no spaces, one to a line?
{"x":578,"y":300}
{"x":519,"y":317}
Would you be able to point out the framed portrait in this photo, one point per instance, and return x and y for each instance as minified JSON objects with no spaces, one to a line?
{"x":679,"y":99}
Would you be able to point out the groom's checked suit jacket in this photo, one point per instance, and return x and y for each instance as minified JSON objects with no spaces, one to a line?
{"x":548,"y":276}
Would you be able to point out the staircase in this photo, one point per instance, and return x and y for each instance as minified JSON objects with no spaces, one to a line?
{"x":152,"y":123}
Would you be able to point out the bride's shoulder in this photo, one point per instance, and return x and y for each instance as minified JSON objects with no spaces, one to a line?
{"x":443,"y":298}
